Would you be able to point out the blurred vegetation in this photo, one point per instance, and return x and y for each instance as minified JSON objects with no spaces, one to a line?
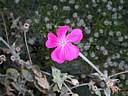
{"x":104,"y":24}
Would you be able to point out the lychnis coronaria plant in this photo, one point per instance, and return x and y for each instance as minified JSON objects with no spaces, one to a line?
{"x":65,"y":50}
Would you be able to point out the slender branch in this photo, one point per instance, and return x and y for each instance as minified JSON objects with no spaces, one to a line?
{"x":90,"y":63}
{"x":68,"y":88}
{"x":5,"y":27}
{"x":46,"y":73}
{"x":80,"y":85}
{"x":29,"y":56}
{"x":3,"y":75}
{"x":12,"y":51}
{"x":124,"y":72}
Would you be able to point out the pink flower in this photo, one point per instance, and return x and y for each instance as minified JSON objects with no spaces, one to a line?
{"x":64,"y":49}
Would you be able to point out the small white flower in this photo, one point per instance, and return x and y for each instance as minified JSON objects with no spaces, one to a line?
{"x":114,"y":9}
{"x":102,"y":48}
{"x":114,"y":16}
{"x":101,"y":31}
{"x":93,"y":1}
{"x":118,"y":33}
{"x":87,"y":6}
{"x":126,"y":82}
{"x":120,"y":7}
{"x":26,"y":26}
{"x":104,"y":1}
{"x":49,"y":26}
{"x":55,"y":7}
{"x":99,"y":10}
{"x":3,"y":57}
{"x":18,"y":49}
{"x":13,"y":58}
{"x":21,"y":62}
{"x":121,"y":1}
{"x":89,"y":17}
{"x":91,"y":40}
{"x":85,"y":53}
{"x":92,"y":55}
{"x":81,"y":22}
{"x":118,"y":55}
{"x":66,"y":8}
{"x":120,"y":39}
{"x":126,"y":37}
{"x":67,"y":21}
{"x":106,"y":65}
{"x":94,"y":4}
{"x":109,"y":7}
{"x":104,"y":13}
{"x":106,"y":22}
{"x":71,"y":1}
{"x":62,"y":0}
{"x":76,"y":6}
{"x":110,"y":83}
{"x":108,"y":59}
{"x":94,"y":88}
{"x":110,"y":2}
{"x":111,"y":33}
{"x":115,"y":23}
{"x":75,"y":81}
{"x":88,"y":31}
{"x":46,"y":19}
{"x":105,"y":52}
{"x":97,"y":47}
{"x":87,"y":46}
{"x":121,"y":65}
{"x":119,"y":16}
{"x":75,"y":15}
{"x":17,"y":1}
{"x":115,"y":64}
{"x":96,"y":34}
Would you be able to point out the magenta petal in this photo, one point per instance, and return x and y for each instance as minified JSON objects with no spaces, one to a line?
{"x":75,"y":36}
{"x":71,"y":52}
{"x":52,"y":40}
{"x":61,"y":31}
{"x":58,"y":55}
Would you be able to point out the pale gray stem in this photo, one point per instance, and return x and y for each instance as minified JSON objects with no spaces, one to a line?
{"x":5,"y":27}
{"x":29,"y":56}
{"x":90,"y":63}
{"x":68,"y":88}
{"x":124,"y":72}
{"x":12,"y":51}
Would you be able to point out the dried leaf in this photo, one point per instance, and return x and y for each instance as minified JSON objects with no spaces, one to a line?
{"x":36,"y":70}
{"x":39,"y":88}
{"x":27,"y":75}
{"x":12,"y":74}
{"x":43,"y":82}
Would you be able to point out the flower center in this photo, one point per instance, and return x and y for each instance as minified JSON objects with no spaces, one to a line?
{"x":62,"y":42}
